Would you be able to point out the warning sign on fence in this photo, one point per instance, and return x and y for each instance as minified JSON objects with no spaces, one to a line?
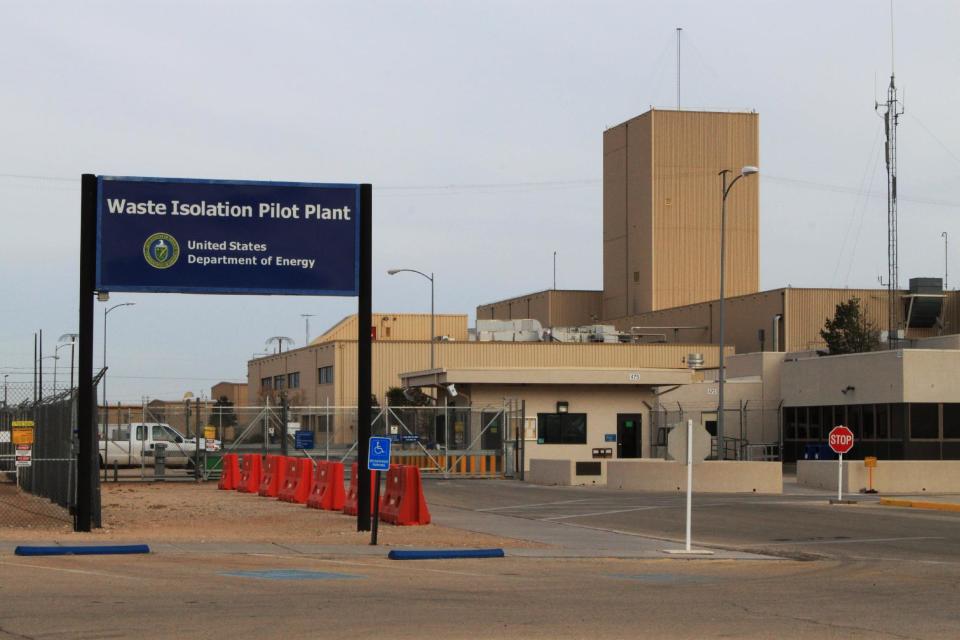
{"x":23,"y":432}
{"x":24,"y":455}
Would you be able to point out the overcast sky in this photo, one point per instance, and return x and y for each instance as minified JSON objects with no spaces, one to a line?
{"x":479,"y":125}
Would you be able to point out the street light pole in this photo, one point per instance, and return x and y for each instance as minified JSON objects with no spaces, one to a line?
{"x":945,"y":239}
{"x":433,"y":331}
{"x":5,"y":376}
{"x":72,"y":338}
{"x":103,"y":380}
{"x":745,"y":171}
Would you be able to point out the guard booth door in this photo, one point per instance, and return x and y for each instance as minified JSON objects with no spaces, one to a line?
{"x":628,"y":435}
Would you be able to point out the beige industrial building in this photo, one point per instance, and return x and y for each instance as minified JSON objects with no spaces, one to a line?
{"x":620,"y":355}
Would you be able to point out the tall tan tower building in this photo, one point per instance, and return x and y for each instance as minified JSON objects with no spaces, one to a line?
{"x":661,"y":210}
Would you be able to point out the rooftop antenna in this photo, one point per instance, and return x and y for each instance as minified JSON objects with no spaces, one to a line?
{"x":890,"y":111}
{"x":679,"y":29}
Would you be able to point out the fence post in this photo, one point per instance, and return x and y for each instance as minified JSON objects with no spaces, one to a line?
{"x":284,"y":408}
{"x":196,"y":442}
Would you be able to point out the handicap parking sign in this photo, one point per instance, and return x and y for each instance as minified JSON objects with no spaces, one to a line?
{"x":378,"y":456}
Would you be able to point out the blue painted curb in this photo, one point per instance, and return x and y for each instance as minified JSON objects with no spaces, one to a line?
{"x":445,"y":554}
{"x":110,"y":549}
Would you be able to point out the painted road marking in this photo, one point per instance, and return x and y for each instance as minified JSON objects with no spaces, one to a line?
{"x":849,"y":541}
{"x":65,"y":570}
{"x":290,"y":574}
{"x":534,"y":504}
{"x":600,"y":513}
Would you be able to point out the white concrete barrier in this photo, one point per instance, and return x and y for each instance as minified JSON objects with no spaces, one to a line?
{"x":890,"y":476}
{"x":708,"y":477}
{"x":564,"y":473}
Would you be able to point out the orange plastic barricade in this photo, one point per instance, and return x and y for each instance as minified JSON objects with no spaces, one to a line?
{"x":327,"y":490}
{"x":273,"y":476}
{"x":403,"y":502}
{"x":350,"y":507}
{"x":230,"y":472}
{"x":296,"y":486}
{"x":249,"y":473}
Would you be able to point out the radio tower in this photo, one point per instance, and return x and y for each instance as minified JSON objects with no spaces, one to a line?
{"x":891,"y":110}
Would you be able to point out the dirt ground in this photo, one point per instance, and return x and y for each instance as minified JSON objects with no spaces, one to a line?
{"x":200,"y":513}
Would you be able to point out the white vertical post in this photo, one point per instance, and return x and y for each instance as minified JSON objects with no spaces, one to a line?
{"x":326,"y":413}
{"x":840,"y":479}
{"x":689,"y":478}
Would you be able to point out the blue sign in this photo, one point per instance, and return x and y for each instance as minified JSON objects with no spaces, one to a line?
{"x":221,"y":236}
{"x":378,"y":457}
{"x":609,"y":437}
{"x":303,"y":440}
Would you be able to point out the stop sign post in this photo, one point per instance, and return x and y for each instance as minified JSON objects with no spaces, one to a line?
{"x":841,"y":441}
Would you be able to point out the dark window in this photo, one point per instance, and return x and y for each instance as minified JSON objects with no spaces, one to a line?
{"x":325,"y":375}
{"x":266,"y":384}
{"x":883,"y":422}
{"x":924,"y":421}
{"x":826,"y":421}
{"x":813,"y":423}
{"x":789,"y":424}
{"x":869,"y":431}
{"x":898,"y":421}
{"x":854,"y":421}
{"x":951,"y":420}
{"x":562,"y":428}
{"x":279,"y":382}
{"x":293,"y":380}
{"x":801,"y":423}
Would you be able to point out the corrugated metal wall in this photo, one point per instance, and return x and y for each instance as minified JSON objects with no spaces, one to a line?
{"x":689,"y":149}
{"x":553,"y":308}
{"x":400,"y":326}
{"x":392,"y":358}
{"x":810,"y":308}
{"x":662,"y":201}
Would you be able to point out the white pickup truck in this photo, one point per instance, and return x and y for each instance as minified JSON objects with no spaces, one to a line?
{"x":134,"y":444}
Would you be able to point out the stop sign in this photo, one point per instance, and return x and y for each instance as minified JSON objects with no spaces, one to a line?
{"x":841,"y":439}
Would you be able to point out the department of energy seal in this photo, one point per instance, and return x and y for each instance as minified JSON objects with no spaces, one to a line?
{"x":161,"y":250}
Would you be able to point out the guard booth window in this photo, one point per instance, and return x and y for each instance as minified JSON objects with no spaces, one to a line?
{"x":561,"y":428}
{"x":492,"y":424}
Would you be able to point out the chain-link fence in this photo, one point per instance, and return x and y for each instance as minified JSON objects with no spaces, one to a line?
{"x":751,"y":432}
{"x":38,"y":458}
{"x":193,"y":435}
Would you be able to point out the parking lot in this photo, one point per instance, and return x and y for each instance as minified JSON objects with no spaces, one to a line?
{"x":581,"y":562}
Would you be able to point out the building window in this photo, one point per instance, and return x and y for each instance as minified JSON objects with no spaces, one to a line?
{"x":279,"y":382}
{"x":869,"y":430}
{"x":951,"y":420}
{"x":266,"y":384}
{"x":562,"y":428}
{"x":293,"y":380}
{"x":924,"y":421}
{"x":325,"y":375}
{"x":883,"y":422}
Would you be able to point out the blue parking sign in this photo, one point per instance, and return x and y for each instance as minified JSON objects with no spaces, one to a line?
{"x":378,"y":456}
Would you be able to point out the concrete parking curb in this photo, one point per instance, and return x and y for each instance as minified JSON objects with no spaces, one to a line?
{"x":920,"y":504}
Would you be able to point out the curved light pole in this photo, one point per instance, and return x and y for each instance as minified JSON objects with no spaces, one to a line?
{"x":745,"y":171}
{"x":103,"y":380}
{"x":5,"y":376}
{"x":71,"y":339}
{"x":433,"y":332}
{"x":280,"y":340}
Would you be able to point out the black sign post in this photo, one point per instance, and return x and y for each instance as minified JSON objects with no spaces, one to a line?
{"x":86,"y":427}
{"x":364,"y":355}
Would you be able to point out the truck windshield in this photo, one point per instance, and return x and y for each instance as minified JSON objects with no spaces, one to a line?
{"x":162,"y":433}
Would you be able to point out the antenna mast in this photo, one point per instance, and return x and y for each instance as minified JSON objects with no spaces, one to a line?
{"x":891,"y":111}
{"x":679,"y":29}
